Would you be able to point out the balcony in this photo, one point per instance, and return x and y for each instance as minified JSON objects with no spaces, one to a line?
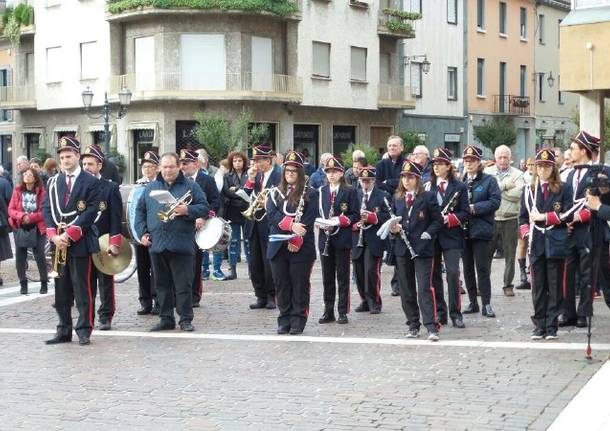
{"x":515,"y":105}
{"x":395,"y":97}
{"x":232,"y":86}
{"x":18,"y":97}
{"x":396,"y":23}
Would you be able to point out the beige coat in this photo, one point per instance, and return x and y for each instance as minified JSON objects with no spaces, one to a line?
{"x":511,"y":187}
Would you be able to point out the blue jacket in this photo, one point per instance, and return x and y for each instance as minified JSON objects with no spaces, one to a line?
{"x":208,"y":186}
{"x":276,"y":214}
{"x":317,"y":179}
{"x":423,"y":216}
{"x":552,"y":242}
{"x":346,"y":203}
{"x":83,"y":202}
{"x":452,"y":238}
{"x":262,"y":226}
{"x":378,"y":203}
{"x":388,"y":174}
{"x":109,"y":216}
{"x":178,"y":235}
{"x":485,"y":196}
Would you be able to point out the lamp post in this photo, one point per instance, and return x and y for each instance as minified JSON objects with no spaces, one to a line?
{"x":106,"y":114}
{"x":550,"y":80}
{"x":421,"y":58}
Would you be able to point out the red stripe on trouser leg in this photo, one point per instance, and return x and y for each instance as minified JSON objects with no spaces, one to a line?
{"x":431,"y":287}
{"x":113,"y":299}
{"x":89,"y":293}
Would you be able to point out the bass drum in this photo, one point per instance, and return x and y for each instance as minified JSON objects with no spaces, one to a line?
{"x":215,"y":235}
{"x":130,"y":194}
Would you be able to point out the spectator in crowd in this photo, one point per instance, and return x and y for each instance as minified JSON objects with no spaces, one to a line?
{"x":318,"y":178}
{"x":204,"y":162}
{"x":110,"y":171}
{"x":510,"y":181}
{"x":421,"y":156}
{"x":522,"y":165}
{"x":50,"y":167}
{"x":23,"y":163}
{"x":350,"y":176}
{"x":356,"y":169}
{"x":309,"y":168}
{"x":25,"y":213}
{"x":567,"y":165}
{"x":37,"y":166}
{"x":6,"y":188}
{"x":277,"y":161}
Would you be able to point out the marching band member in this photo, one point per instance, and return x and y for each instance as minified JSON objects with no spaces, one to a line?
{"x":338,"y":201}
{"x":452,"y":197}
{"x":484,"y":199}
{"x":541,"y":205}
{"x":414,"y":250}
{"x":108,"y":221}
{"x":69,"y":209}
{"x":367,"y":247}
{"x":291,"y":209}
{"x":172,"y":254}
{"x":190,"y":169}
{"x":262,"y":176}
{"x":146,"y":287}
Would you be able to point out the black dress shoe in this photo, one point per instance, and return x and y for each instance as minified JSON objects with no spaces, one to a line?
{"x":362,"y":307}
{"x":395,"y":293}
{"x":375,"y":310}
{"x":327,"y":317}
{"x":270,"y":305}
{"x":187,"y":327}
{"x":155,"y":310}
{"x":283,"y":330}
{"x":342,"y":319}
{"x":562,"y":321}
{"x":296,"y":331}
{"x":163,"y":327}
{"x":458,"y":323}
{"x":488,"y":311}
{"x":196,"y":305}
{"x":525,"y":285}
{"x":84,"y":340}
{"x":581,"y":322}
{"x":442,"y":320}
{"x":260,"y":303}
{"x":104,"y":326}
{"x":59,"y":339}
{"x":471,"y":308}
{"x":144,"y":310}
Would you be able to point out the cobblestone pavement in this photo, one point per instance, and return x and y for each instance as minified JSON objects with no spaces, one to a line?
{"x":140,"y":381}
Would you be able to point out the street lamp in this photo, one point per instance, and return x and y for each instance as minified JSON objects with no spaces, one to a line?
{"x":550,"y":80}
{"x":106,"y":114}
{"x":425,"y":64}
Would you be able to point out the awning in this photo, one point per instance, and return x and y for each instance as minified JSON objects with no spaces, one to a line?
{"x":98,"y":127}
{"x":33,"y":130}
{"x":146,"y":125}
{"x":66,"y":128}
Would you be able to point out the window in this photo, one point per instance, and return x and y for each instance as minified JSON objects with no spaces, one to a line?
{"x":558,"y":33}
{"x":416,"y":5}
{"x":54,"y":62}
{"x":523,"y":81}
{"x":503,"y":18}
{"x":541,"y":29}
{"x":385,"y":68}
{"x":452,"y":83}
{"x":452,"y":14}
{"x":503,"y":78}
{"x":145,"y":62}
{"x":88,"y":60}
{"x":262,"y":63}
{"x":480,"y":77}
{"x":523,"y":23}
{"x":540,"y":89}
{"x":358,"y":72}
{"x":481,"y":14}
{"x":6,"y":82}
{"x":559,"y":94}
{"x":321,"y":59}
{"x":416,"y":76}
{"x":203,"y":64}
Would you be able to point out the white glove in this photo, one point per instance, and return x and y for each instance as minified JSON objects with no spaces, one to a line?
{"x":425,"y":236}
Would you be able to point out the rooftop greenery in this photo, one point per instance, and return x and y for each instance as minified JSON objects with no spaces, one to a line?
{"x":277,"y":7}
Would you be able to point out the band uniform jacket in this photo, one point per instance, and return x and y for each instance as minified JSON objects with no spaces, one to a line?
{"x":208,"y":186}
{"x":451,"y":235}
{"x":552,"y":241}
{"x":176,"y":235}
{"x":486,"y":198}
{"x":84,"y":202}
{"x":346,"y":204}
{"x":376,"y":204}
{"x":109,"y":215}
{"x":261,"y":226}
{"x":423,"y":216}
{"x":280,"y":215}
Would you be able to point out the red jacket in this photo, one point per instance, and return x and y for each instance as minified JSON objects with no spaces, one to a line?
{"x":16,"y":213}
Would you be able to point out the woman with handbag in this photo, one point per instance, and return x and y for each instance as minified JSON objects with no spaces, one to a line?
{"x":234,"y":181}
{"x":25,"y":217}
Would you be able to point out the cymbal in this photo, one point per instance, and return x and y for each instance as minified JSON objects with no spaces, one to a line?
{"x":109,"y":264}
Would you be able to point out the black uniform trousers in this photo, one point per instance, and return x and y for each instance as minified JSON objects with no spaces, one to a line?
{"x":197,"y":281}
{"x":368,"y":278}
{"x":601,"y":270}
{"x":173,"y":280}
{"x":476,"y":255}
{"x":260,"y":267}
{"x":74,"y":286}
{"x":105,"y":284}
{"x":417,"y":297}
{"x":146,"y":287}
{"x":451,"y":258}
{"x":547,"y":277}
{"x":580,"y":260}
{"x":21,"y":255}
{"x":293,"y":287}
{"x":336,"y":264}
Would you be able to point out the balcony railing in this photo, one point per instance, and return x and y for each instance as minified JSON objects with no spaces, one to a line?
{"x":395,"y":96}
{"x":16,"y":97}
{"x":240,"y":86}
{"x":508,"y":104}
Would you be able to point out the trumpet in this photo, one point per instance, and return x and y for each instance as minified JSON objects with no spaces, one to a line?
{"x":170,"y":214}
{"x":257,"y":204}
{"x":60,"y":257}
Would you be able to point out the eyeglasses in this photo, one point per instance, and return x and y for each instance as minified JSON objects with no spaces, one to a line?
{"x":290,"y":171}
{"x":529,"y":165}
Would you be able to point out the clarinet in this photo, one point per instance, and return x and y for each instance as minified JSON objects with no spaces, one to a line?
{"x":331,"y":214}
{"x":361,"y":234}
{"x":301,"y":207}
{"x":466,"y":224}
{"x":403,"y":234}
{"x":451,"y":204}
